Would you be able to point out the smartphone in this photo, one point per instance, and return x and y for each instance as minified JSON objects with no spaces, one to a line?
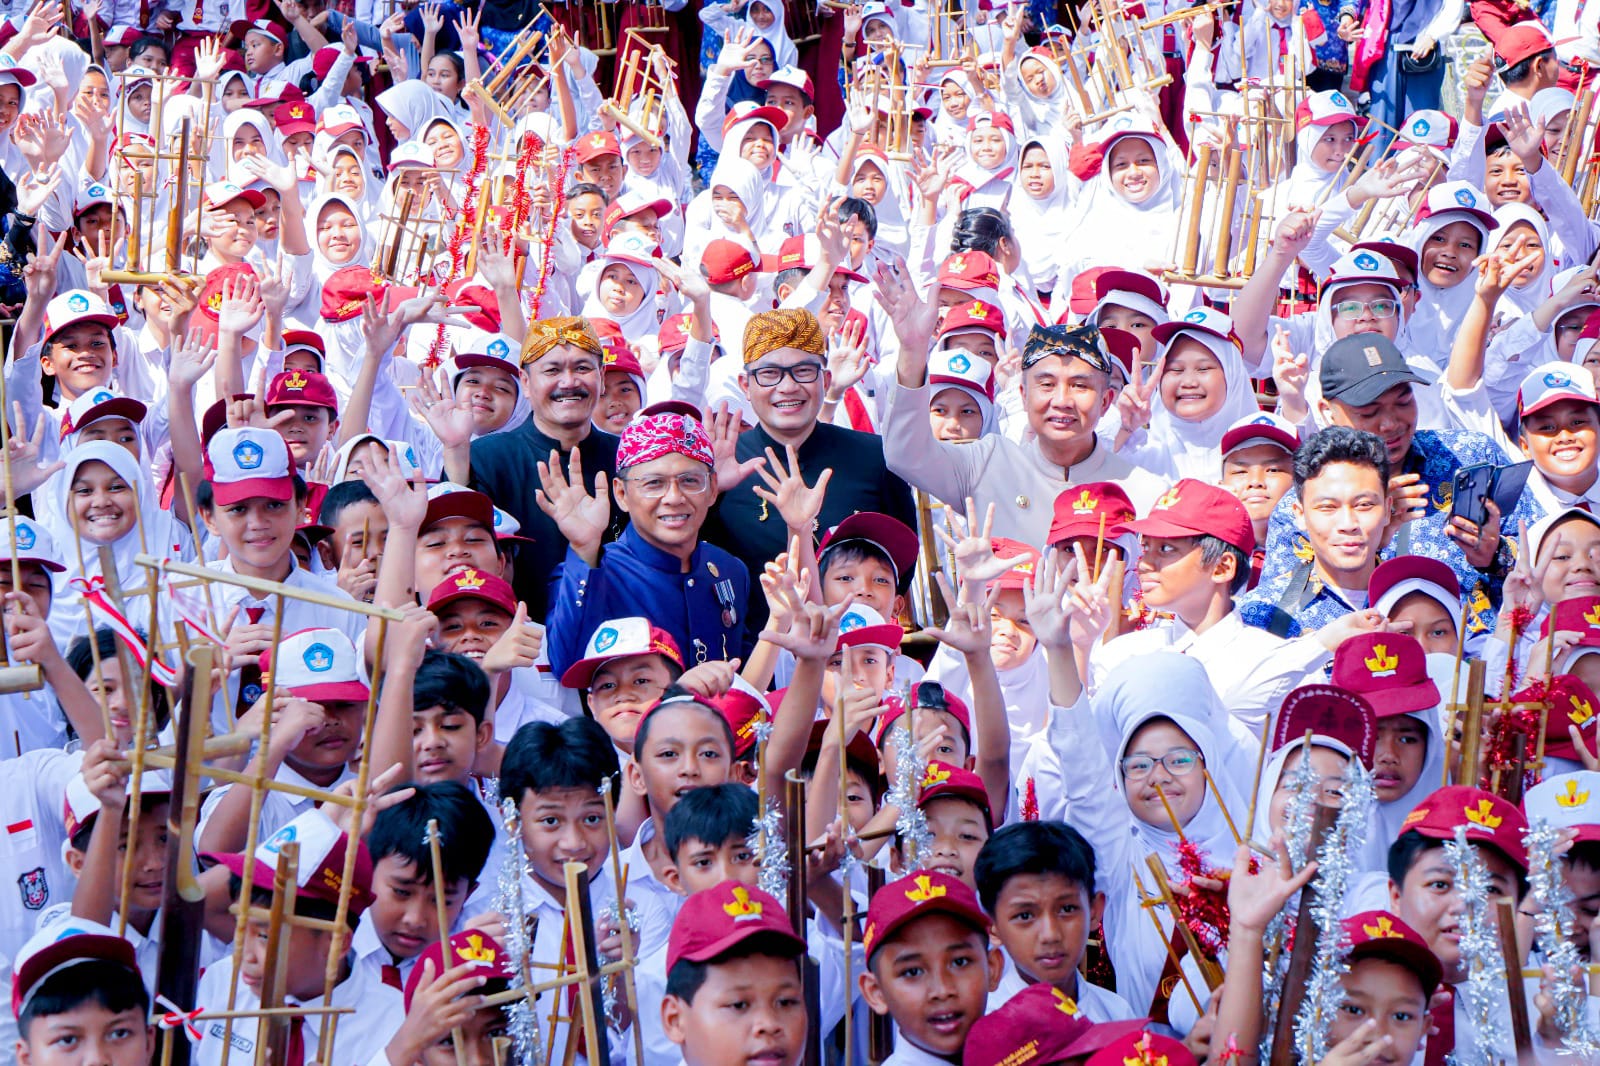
{"x":1472,"y":485}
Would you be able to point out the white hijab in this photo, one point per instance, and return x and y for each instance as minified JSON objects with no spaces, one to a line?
{"x":1440,"y":311}
{"x":784,"y":52}
{"x":642,"y":321}
{"x":412,"y":103}
{"x":321,"y":266}
{"x":1109,"y":230}
{"x":222,"y":150}
{"x":1041,"y":225}
{"x":1176,"y":687}
{"x":1194,"y":449}
{"x":1527,"y":298}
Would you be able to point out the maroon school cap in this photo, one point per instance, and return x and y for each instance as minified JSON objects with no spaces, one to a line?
{"x":713,"y":922}
{"x":924,"y":892}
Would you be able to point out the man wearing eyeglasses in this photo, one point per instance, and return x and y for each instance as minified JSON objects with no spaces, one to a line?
{"x":659,"y":567}
{"x":785,"y":376}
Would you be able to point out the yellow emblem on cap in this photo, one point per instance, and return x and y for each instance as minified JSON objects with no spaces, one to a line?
{"x":295,"y":380}
{"x":977,"y":310}
{"x":1382,"y":664}
{"x":1483,"y":815}
{"x":1592,"y":616}
{"x":936,"y":775}
{"x":1084,"y":503}
{"x":469,"y":579}
{"x":1167,"y":501}
{"x":597,"y":141}
{"x":1064,"y":1003}
{"x":925,"y":890}
{"x":476,"y":950}
{"x":1572,"y":797}
{"x":1383,"y":930}
{"x":1144,"y":1054}
{"x":958,"y":264}
{"x":1582,"y":710}
{"x":742,"y":906}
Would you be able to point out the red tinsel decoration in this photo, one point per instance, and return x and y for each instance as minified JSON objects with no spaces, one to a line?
{"x":466,"y":225}
{"x":547,"y":242}
{"x":1030,"y":802}
{"x":1203,"y":910}
{"x":1521,"y":615}
{"x":521,"y":202}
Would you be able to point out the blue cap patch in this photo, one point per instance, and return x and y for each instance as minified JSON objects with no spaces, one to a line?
{"x":499,"y":349}
{"x":605,"y":640}
{"x":960,"y":364}
{"x":26,"y":537}
{"x":319,"y":658}
{"x":249,"y":455}
{"x":1558,"y":379}
{"x":77,"y":302}
{"x":1366,"y":262}
{"x":1465,"y":198}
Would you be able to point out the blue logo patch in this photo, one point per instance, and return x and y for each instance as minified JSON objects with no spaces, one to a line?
{"x":26,"y":538}
{"x":97,"y":190}
{"x":1465,"y":198}
{"x":960,"y":364}
{"x":1420,"y":127}
{"x":605,"y":640}
{"x":318,"y":658}
{"x":1337,"y":99}
{"x":1263,"y":420}
{"x":251,"y":692}
{"x":1366,"y":262}
{"x":852,"y":622}
{"x":411,"y":456}
{"x":1196,"y":315}
{"x":286,"y":835}
{"x":500,"y":349}
{"x":102,"y":396}
{"x":249,"y":455}
{"x":1558,"y":379}
{"x":499,"y":518}
{"x":77,"y":302}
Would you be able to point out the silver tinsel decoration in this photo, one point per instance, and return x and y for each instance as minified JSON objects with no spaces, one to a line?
{"x":1335,"y":868}
{"x":1554,"y":926}
{"x":766,"y":839}
{"x":1297,"y":818}
{"x":1485,"y":985}
{"x":520,"y":1017}
{"x":912,"y":825}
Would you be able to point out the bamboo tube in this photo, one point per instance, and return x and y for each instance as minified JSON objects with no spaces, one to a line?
{"x":1191,"y":241}
{"x":1232,"y":167}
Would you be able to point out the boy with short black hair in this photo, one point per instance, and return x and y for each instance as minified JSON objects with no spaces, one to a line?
{"x":734,"y":941}
{"x":554,"y":775}
{"x":1036,"y":881}
{"x":449,"y":702}
{"x":403,"y":920}
{"x":80,"y":988}
{"x":926,"y":922}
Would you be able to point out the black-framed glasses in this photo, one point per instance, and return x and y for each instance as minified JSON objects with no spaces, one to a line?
{"x":1179,"y":763}
{"x":769,"y":377}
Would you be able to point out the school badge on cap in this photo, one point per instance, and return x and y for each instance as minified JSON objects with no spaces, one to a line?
{"x":1365,"y":262}
{"x":319,"y":658}
{"x":248,"y":454}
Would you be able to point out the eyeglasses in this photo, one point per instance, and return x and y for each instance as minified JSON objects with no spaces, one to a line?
{"x":1349,"y":310}
{"x":769,"y":377}
{"x":1179,"y":762}
{"x":655,"y":486}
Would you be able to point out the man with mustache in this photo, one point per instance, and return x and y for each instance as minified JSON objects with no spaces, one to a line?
{"x":562,"y":364}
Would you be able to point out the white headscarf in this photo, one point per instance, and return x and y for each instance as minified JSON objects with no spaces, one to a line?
{"x":371,"y":191}
{"x":222,"y":150}
{"x":1308,"y":184}
{"x":1174,"y":686}
{"x":1194,"y":449}
{"x":157,"y":532}
{"x":1109,"y":230}
{"x":1440,"y":311}
{"x":756,"y":193}
{"x":1042,"y":225}
{"x":784,"y":52}
{"x":1527,"y":298}
{"x":321,"y":266}
{"x":412,"y":103}
{"x":894,"y":224}
{"x":642,"y":321}
{"x":1272,"y":774}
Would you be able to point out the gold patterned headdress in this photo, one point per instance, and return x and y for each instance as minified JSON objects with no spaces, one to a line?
{"x":546,"y":333}
{"x":768,"y":331}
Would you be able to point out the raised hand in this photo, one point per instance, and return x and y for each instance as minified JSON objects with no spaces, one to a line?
{"x":35,"y":187}
{"x":39,"y":276}
{"x":914,"y":315}
{"x":724,"y":427}
{"x":1524,"y":585}
{"x":786,"y":490}
{"x":28,"y":472}
{"x":190,"y":361}
{"x":280,"y":176}
{"x":404,"y":504}
{"x":814,"y":629}
{"x":448,"y":417}
{"x":1093,"y":602}
{"x":274,"y":285}
{"x":1524,"y":135}
{"x":1045,"y":601}
{"x":968,"y":629}
{"x":581,"y":517}
{"x":1255,"y":896}
{"x":518,"y":647}
{"x":972,"y":545}
{"x":1295,"y":231}
{"x":848,"y":358}
{"x":241,"y":306}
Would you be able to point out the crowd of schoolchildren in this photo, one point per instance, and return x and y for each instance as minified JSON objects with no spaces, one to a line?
{"x":841,"y":427}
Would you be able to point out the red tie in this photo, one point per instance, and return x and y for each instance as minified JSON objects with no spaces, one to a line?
{"x":391,"y":977}
{"x":1582,"y":505}
{"x":1283,"y":47}
{"x":295,"y":1054}
{"x":1444,"y":1020}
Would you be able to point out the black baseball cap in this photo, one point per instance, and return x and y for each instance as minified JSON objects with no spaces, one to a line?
{"x":1359,"y":369}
